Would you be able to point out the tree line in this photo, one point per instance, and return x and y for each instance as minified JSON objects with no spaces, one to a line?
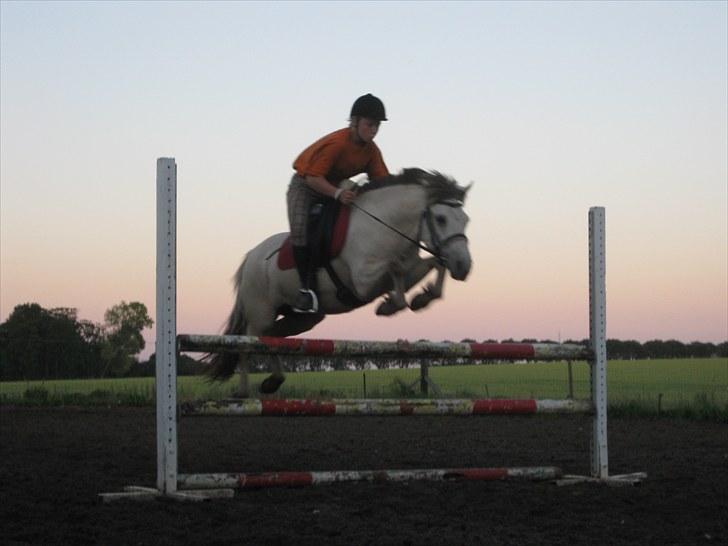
{"x":38,"y":343}
{"x":618,"y":349}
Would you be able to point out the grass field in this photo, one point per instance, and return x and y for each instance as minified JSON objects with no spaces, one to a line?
{"x":646,"y":384}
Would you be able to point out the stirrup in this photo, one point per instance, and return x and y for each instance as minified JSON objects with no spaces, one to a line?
{"x":314,"y":302}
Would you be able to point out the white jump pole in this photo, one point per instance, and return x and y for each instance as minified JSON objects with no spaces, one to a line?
{"x":166,"y":345}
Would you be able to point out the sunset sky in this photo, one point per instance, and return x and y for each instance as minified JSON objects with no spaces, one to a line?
{"x":549,"y":108}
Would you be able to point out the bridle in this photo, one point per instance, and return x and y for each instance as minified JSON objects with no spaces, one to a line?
{"x":437,"y":243}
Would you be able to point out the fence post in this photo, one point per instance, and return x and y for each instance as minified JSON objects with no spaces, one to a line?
{"x":424,"y":377}
{"x":571,"y":381}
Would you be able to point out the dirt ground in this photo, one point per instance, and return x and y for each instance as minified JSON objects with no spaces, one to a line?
{"x":54,"y":462}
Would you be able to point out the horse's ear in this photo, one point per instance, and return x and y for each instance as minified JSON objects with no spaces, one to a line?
{"x":467,"y":189}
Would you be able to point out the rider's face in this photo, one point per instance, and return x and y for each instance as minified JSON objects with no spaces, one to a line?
{"x":366,"y":129}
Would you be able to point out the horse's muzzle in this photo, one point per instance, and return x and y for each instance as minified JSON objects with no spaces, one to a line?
{"x":453,"y":253}
{"x":458,"y":262}
{"x":459,"y":268}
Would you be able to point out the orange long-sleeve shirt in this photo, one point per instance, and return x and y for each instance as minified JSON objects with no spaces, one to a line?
{"x":336,"y":157}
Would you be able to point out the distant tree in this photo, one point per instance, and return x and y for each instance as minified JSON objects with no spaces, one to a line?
{"x":633,"y":350}
{"x":584,"y":342}
{"x":675,"y":349}
{"x":698,"y":349}
{"x":123,"y":340}
{"x":186,"y":365}
{"x":671,"y":348}
{"x":91,"y":332}
{"x":624,"y":350}
{"x":38,"y":343}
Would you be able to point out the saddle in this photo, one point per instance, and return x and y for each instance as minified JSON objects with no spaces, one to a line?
{"x":324,"y":244}
{"x":328,"y":225}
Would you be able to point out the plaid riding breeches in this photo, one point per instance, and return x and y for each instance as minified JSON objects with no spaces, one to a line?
{"x":300,"y":197}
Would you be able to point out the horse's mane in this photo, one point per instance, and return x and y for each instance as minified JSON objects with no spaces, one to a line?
{"x":439,"y":187}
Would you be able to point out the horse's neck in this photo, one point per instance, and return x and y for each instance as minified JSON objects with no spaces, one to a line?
{"x":372,"y":251}
{"x":399,"y":206}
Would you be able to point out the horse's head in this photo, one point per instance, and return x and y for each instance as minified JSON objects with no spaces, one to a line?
{"x":443,"y":220}
{"x":443,"y":230}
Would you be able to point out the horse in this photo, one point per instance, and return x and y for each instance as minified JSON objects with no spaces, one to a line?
{"x":391,"y":220}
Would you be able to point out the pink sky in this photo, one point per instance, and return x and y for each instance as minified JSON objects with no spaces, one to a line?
{"x":550,"y":108}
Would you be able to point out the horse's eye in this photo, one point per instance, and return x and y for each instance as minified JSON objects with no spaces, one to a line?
{"x":441,"y":220}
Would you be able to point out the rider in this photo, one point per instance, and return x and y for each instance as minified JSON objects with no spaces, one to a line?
{"x":320,"y":168}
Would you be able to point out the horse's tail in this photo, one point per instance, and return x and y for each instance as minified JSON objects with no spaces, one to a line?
{"x":222,"y":365}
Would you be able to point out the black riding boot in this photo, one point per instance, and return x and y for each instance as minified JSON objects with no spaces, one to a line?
{"x":306,"y":302}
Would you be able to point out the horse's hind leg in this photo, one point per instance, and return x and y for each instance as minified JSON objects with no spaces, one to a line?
{"x":244,"y":371}
{"x":289,"y":325}
{"x":273,"y":382}
{"x":269,"y":385}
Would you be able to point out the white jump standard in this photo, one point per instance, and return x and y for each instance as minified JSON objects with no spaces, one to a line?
{"x":195,"y":487}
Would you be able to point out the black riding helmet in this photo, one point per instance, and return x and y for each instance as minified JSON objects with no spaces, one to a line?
{"x":368,"y":106}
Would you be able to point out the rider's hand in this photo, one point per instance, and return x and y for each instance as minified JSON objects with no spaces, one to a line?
{"x":346,"y":197}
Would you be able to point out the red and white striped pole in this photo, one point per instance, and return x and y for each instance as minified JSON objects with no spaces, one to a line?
{"x":380,"y":349}
{"x":382,"y":407}
{"x":299,"y":479}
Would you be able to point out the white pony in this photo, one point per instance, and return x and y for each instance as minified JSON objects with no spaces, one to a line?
{"x":390,"y":221}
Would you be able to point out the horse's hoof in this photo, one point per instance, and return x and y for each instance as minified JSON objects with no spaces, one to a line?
{"x":420,"y":301}
{"x":386,"y":309}
{"x":271,"y":384}
{"x":389,"y":307}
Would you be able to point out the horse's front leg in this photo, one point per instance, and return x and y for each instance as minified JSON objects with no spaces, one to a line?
{"x":431,"y":292}
{"x":394,"y":300}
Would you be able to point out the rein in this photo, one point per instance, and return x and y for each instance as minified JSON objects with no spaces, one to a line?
{"x":428,"y":218}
